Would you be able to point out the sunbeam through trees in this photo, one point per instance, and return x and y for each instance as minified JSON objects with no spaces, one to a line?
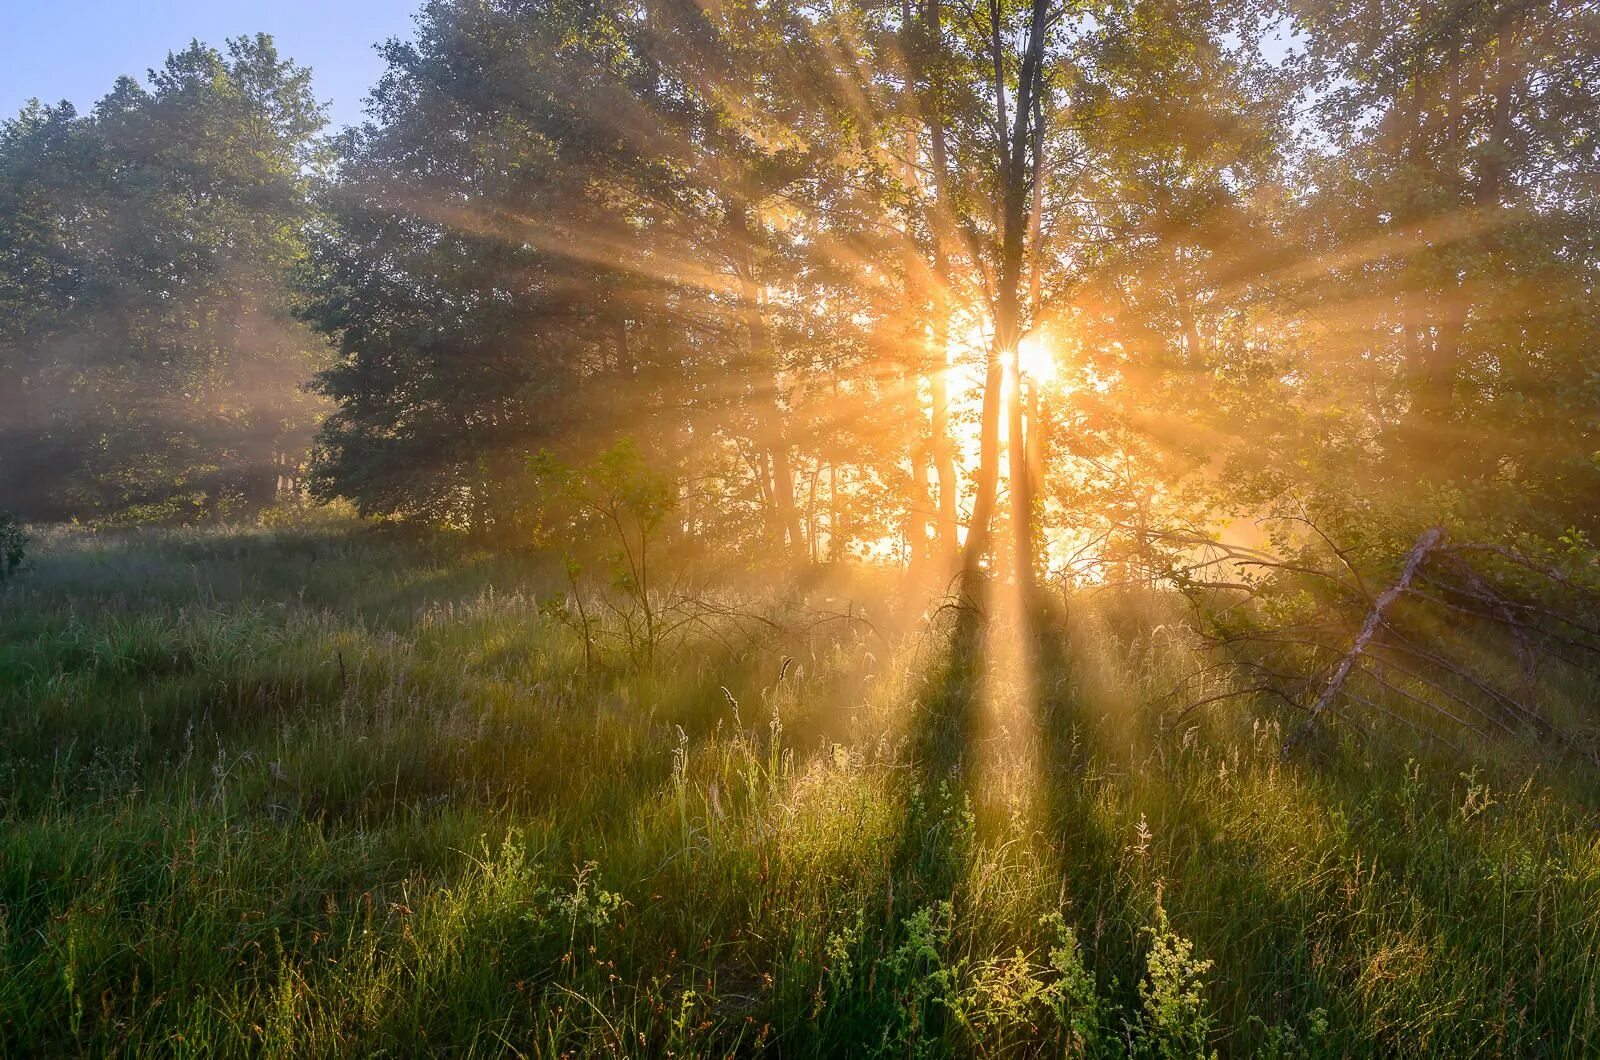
{"x":856,"y":527}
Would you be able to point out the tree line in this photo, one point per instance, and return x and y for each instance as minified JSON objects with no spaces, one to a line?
{"x":151,"y":354}
{"x":936,"y":281}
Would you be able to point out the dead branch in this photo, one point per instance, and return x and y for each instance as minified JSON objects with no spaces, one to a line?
{"x":1426,"y":543}
{"x":1426,"y":646}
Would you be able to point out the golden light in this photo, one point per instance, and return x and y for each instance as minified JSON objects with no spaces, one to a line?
{"x":966,"y":345}
{"x":1036,"y":358}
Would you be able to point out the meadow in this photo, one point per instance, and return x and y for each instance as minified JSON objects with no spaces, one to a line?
{"x":326,"y":792}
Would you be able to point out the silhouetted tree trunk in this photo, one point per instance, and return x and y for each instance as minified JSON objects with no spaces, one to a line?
{"x":941,"y":450}
{"x":1016,"y":143}
{"x":773,"y":435}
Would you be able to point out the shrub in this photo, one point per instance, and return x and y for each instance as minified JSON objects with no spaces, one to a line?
{"x":299,"y":514}
{"x":1176,"y":1023}
{"x":12,"y":545}
{"x":621,"y":504}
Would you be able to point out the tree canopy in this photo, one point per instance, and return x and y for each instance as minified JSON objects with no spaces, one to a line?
{"x":927,"y":281}
{"x":150,"y":360}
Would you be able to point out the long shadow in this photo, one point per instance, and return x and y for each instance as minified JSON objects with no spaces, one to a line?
{"x":1281,"y":944}
{"x":931,"y":863}
{"x":943,"y":745}
{"x":1112,"y":893}
{"x":1102,"y":902}
{"x":926,"y":865}
{"x":1379,"y":949}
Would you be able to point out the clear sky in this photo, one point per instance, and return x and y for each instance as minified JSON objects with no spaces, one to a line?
{"x":74,"y":49}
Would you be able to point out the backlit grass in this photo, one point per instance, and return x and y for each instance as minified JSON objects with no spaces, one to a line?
{"x":328,"y":794}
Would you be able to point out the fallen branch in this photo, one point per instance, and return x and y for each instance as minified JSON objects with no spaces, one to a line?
{"x":1429,"y":540}
{"x":1309,"y":628}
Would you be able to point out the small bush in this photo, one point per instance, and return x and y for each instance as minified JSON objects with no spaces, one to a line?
{"x":13,"y":543}
{"x":1176,"y":1023}
{"x":301,"y":514}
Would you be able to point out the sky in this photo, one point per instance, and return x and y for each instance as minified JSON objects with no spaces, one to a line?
{"x":75,"y":49}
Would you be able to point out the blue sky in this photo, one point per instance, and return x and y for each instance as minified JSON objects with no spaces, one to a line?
{"x":74,"y":49}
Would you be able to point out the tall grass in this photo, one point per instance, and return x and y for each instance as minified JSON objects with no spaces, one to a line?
{"x":324,"y":794}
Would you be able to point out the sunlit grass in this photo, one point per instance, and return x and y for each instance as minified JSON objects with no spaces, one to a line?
{"x":328,"y":795}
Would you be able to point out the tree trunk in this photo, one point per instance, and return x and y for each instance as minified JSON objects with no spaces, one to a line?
{"x":1022,"y":543}
{"x":919,"y":511}
{"x":947,"y":520}
{"x":987,"y":483}
{"x":1024,"y":426}
{"x":918,"y":295}
{"x":1193,"y":354}
{"x":787,"y":512}
{"x":944,"y":461}
{"x":774,"y":437}
{"x":1015,"y":147}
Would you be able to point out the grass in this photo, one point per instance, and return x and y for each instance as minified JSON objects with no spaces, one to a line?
{"x":325,"y":793}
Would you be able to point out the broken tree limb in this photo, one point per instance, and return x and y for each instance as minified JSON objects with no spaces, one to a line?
{"x":1429,"y":540}
{"x":1334,"y":643}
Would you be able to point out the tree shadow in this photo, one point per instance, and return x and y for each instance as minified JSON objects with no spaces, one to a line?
{"x":1355,"y":903}
{"x":1105,"y":903}
{"x":942,"y":748}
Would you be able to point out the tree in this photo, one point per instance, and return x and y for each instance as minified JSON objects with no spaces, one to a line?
{"x":568,"y":221}
{"x":768,"y":240}
{"x":1003,"y":148}
{"x":1455,"y":229}
{"x":147,"y":259}
{"x":1164,"y":253}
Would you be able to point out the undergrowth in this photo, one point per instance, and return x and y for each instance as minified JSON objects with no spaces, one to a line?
{"x":321,"y":793}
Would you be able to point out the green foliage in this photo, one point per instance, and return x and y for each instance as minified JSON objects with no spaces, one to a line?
{"x":302,"y":791}
{"x":611,"y":513}
{"x":929,"y":998}
{"x":300,"y":513}
{"x":13,"y":546}
{"x":617,"y":497}
{"x":443,"y":313}
{"x":1311,"y":302}
{"x":150,"y":360}
{"x":1175,"y":1023}
{"x":1283,"y":253}
{"x":557,"y":268}
{"x":333,"y":793}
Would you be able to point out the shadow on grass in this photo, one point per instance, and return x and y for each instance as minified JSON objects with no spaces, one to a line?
{"x":1349,"y":883}
{"x":1108,"y":905}
{"x":942,"y":742}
